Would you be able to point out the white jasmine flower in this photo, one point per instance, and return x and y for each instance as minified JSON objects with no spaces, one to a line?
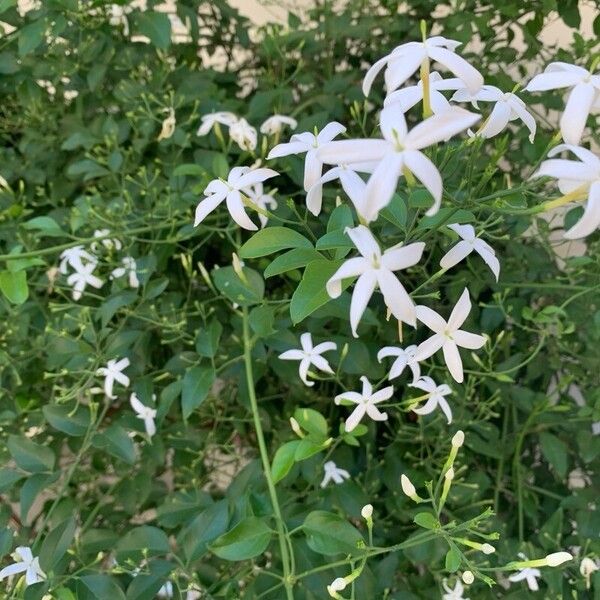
{"x":365,"y":403}
{"x":405,"y":59}
{"x":530,"y":575}
{"x":580,"y":178}
{"x":145,"y":413}
{"x":83,"y":277}
{"x":310,"y":355}
{"x":108,"y":243}
{"x":448,"y":336}
{"x":409,"y":96}
{"x":587,"y":568}
{"x":238,"y":181}
{"x":309,"y":143}
{"x":398,"y":152}
{"x":404,"y":358}
{"x":333,"y":473}
{"x":437,"y":394}
{"x":166,"y":591}
{"x":469,"y":243}
{"x":275,"y":124}
{"x":114,"y":372}
{"x":243,"y":134}
{"x":337,"y":585}
{"x":209,"y":121}
{"x":584,"y":93}
{"x":453,"y":594}
{"x":264,"y":201}
{"x":75,"y":257}
{"x":168,"y":125}
{"x":129,"y":269}
{"x":375,"y":269}
{"x":508,"y":107}
{"x":25,"y":563}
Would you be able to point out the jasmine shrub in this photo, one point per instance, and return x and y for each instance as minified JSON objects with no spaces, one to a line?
{"x":310,"y":323}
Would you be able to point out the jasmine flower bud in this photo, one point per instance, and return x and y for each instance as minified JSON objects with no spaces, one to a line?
{"x":468,"y":577}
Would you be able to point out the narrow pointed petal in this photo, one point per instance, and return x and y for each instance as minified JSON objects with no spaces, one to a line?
{"x":590,"y":220}
{"x":330,"y":131}
{"x":574,"y":117}
{"x":313,"y":169}
{"x":468,"y":340}
{"x":438,"y":102}
{"x":427,"y":408}
{"x":303,"y":372}
{"x":430,"y":346}
{"x":322,"y":364}
{"x":416,"y":371}
{"x":552,"y":81}
{"x":137,"y":406}
{"x":354,"y":397}
{"x":443,"y":404}
{"x":375,"y":413}
{"x":456,"y":254}
{"x":314,"y":197}
{"x":471,"y":77}
{"x":13,"y":569}
{"x":398,"y":367}
{"x":351,"y":268}
{"x":353,"y":151}
{"x":382,"y":395}
{"x":453,"y":360}
{"x":583,"y":154}
{"x":440,"y":127}
{"x":425,"y":383}
{"x":426,"y":172}
{"x":561,"y":168}
{"x":206,"y":206}
{"x":519,"y":108}
{"x":466,"y":232}
{"x":364,"y":241}
{"x":403,"y":257}
{"x":324,"y":347}
{"x":306,"y":341}
{"x":255,"y":176}
{"x":237,"y":211}
{"x":354,"y":419}
{"x":382,"y":184}
{"x":287,"y":149}
{"x":432,"y":319}
{"x":372,"y":72}
{"x":393,"y":123}
{"x":460,"y":312}
{"x":405,"y":98}
{"x":363,"y":290}
{"x":497,"y":121}
{"x":401,"y":68}
{"x":387,"y":351}
{"x":488,"y":257}
{"x":396,"y":297}
{"x":292,"y":355}
{"x":150,"y":426}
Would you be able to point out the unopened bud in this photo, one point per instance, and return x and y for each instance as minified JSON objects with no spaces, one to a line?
{"x":367,"y":512}
{"x":468,"y":577}
{"x":459,"y":439}
{"x":449,"y":474}
{"x":407,"y":487}
{"x":488,"y":549}
{"x":296,"y":427}
{"x":558,"y":558}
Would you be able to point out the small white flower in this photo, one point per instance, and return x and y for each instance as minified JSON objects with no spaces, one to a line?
{"x":584,"y":93}
{"x":530,"y":575}
{"x":448,"y":336}
{"x":587,"y":568}
{"x":166,"y":591}
{"x":145,"y":413}
{"x":129,"y":268}
{"x":274,"y":125}
{"x":375,"y":269}
{"x":309,"y":143}
{"x":404,"y":358}
{"x":367,"y":512}
{"x":453,"y":594}
{"x":25,"y":563}
{"x":399,"y":151}
{"x":114,"y":372}
{"x":209,"y":121}
{"x":83,"y":277}
{"x":238,"y":181}
{"x":310,"y":355}
{"x":168,"y":125}
{"x":437,"y":397}
{"x":77,"y":258}
{"x":243,"y":134}
{"x":108,"y":243}
{"x":264,"y":201}
{"x":469,"y":243}
{"x":365,"y":403}
{"x":508,"y":107}
{"x":405,"y":59}
{"x":577,"y":175}
{"x":333,"y":473}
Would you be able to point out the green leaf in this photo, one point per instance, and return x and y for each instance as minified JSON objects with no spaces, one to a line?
{"x":14,"y":286}
{"x":31,"y":36}
{"x":261,"y":320}
{"x":142,"y":541}
{"x":8,"y":477}
{"x":189,"y":169}
{"x":453,"y":560}
{"x":426,"y":520}
{"x":292,"y":259}
{"x":340,"y":218}
{"x":555,"y":451}
{"x":29,"y":456}
{"x":311,"y":293}
{"x":283,"y":460}
{"x":45,"y":225}
{"x":65,"y":419}
{"x":327,"y":533}
{"x":307,"y":448}
{"x":147,"y":584}
{"x":312,"y":421}
{"x":103,"y":586}
{"x":56,"y":544}
{"x":206,"y":527}
{"x":334,"y":240}
{"x":244,"y":293}
{"x":207,"y":340}
{"x":249,"y":538}
{"x":117,"y":442}
{"x":156,"y":26}
{"x":31,"y":488}
{"x":197,"y":382}
{"x":273,"y":239}
{"x":6,"y":4}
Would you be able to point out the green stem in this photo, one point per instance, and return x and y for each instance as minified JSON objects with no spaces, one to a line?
{"x":262,"y":446}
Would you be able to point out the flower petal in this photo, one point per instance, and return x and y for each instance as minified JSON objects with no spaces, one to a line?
{"x":396,"y":298}
{"x":321,"y":363}
{"x":372,"y":72}
{"x":402,"y":257}
{"x":426,"y":172}
{"x":351,"y":268}
{"x":488,"y":256}
{"x":292,"y":355}
{"x":330,"y":131}
{"x":429,"y":347}
{"x":353,"y":151}
{"x":577,"y":109}
{"x":460,"y":312}
{"x":471,"y":77}
{"x":393,"y":123}
{"x":468,"y":340}
{"x":590,"y":220}
{"x":354,"y":419}
{"x":440,"y":127}
{"x":363,"y":290}
{"x":453,"y":360}
{"x":456,"y":254}
{"x":382,"y":185}
{"x":364,"y":241}
{"x":206,"y":206}
{"x":497,"y":120}
{"x":235,"y":206}
{"x":324,"y":347}
{"x":313,"y":169}
{"x":443,"y":404}
{"x":400,"y":68}
{"x":432,"y":319}
{"x":552,"y":81}
{"x":280,"y":150}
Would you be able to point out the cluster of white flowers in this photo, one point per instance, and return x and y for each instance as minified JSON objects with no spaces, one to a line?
{"x":83,"y":264}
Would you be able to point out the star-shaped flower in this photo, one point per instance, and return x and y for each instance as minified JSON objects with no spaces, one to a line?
{"x":454,"y":594}
{"x":129,"y":268}
{"x":76,"y":257}
{"x":83,"y":277}
{"x":145,"y":413}
{"x":333,"y":473}
{"x":530,"y":575}
{"x":25,"y":563}
{"x":404,"y":358}
{"x":210,"y":120}
{"x":238,"y":180}
{"x":366,"y":402}
{"x":469,"y":243}
{"x":243,"y":134}
{"x":375,"y":269}
{"x":310,"y":355}
{"x":275,"y":124}
{"x":114,"y":372}
{"x":448,"y":336}
{"x":436,"y":397}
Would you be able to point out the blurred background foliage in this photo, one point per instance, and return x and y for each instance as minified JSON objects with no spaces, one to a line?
{"x":77,"y":163}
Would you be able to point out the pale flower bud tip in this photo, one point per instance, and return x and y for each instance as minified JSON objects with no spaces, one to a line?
{"x":488,"y":549}
{"x":407,"y":487}
{"x":367,"y":511}
{"x":337,"y":585}
{"x":449,"y":474}
{"x":459,"y":439}
{"x":295,"y":425}
{"x":558,"y":558}
{"x":468,"y":577}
